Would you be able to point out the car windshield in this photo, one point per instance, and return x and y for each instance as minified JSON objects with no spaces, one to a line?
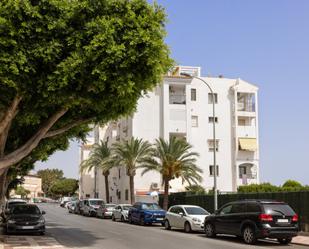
{"x":25,"y":209}
{"x":196,"y":211}
{"x":11,"y":204}
{"x":96,"y":202}
{"x":278,"y":209}
{"x":151,"y":206}
{"x":126,"y":207}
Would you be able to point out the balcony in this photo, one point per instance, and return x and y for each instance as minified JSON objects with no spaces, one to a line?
{"x":246,"y":102}
{"x":177,"y":99}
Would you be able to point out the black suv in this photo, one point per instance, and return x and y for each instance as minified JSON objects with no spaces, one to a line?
{"x":254,"y":219}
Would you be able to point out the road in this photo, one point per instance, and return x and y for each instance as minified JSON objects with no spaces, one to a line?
{"x":66,"y":230}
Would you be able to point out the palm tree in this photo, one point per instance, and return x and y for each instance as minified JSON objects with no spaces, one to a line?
{"x":100,"y":158}
{"x":173,"y":160}
{"x":132,"y":154}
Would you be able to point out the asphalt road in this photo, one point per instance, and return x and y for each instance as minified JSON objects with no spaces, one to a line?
{"x":74,"y":231}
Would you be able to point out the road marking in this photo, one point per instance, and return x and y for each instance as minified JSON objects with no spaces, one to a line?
{"x":30,"y":242}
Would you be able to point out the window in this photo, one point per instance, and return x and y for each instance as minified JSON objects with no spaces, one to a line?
{"x":211,"y":170}
{"x":193,"y":94}
{"x":194,"y":121}
{"x":211,"y":145}
{"x":253,"y":208}
{"x":127,"y":194}
{"x":226,"y":210}
{"x":119,"y":173}
{"x":238,"y":208}
{"x":119,"y":195}
{"x":211,"y":119}
{"x":210,"y":98}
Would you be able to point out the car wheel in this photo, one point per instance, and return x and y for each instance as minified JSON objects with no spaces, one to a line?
{"x":187,"y":227}
{"x":142,"y":221}
{"x":285,"y":241}
{"x":209,"y":230}
{"x":249,"y":235}
{"x":122,"y":218}
{"x":167,"y":225}
{"x":113,"y":218}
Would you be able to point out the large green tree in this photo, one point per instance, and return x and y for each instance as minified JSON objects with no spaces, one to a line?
{"x":131,"y":154}
{"x":49,"y":176}
{"x":66,"y":63}
{"x":174,"y":159}
{"x":64,"y":187}
{"x":100,"y":158}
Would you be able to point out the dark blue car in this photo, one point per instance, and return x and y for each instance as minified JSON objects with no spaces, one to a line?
{"x":146,"y":213}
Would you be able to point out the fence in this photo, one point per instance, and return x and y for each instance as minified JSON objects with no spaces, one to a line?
{"x":299,"y":201}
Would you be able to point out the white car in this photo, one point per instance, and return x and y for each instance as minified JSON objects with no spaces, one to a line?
{"x":91,"y":206}
{"x":106,"y":210}
{"x":187,"y":217}
{"x":121,"y":212}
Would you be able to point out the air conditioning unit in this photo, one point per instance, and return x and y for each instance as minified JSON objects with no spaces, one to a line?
{"x":154,"y":185}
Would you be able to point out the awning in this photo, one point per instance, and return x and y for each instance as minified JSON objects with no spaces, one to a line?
{"x":248,"y":144}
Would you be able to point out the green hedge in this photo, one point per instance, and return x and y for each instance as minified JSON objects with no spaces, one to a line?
{"x":299,"y":201}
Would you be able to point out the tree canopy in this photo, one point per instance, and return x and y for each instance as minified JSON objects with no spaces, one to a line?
{"x":67,"y":63}
{"x":64,"y":187}
{"x":49,"y":177}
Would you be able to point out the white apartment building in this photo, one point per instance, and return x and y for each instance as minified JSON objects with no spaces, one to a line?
{"x":182,"y":107}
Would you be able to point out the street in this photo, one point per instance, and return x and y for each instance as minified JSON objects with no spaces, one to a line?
{"x":66,"y":230}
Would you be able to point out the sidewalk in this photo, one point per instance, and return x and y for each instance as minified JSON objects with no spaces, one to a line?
{"x":301,"y":240}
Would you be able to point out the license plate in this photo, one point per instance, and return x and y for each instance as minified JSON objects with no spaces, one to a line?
{"x":159,"y":218}
{"x":27,"y":227}
{"x":283,"y":221}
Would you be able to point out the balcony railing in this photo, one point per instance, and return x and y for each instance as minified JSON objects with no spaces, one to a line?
{"x":247,"y":176}
{"x":242,"y":107}
{"x":177,"y":99}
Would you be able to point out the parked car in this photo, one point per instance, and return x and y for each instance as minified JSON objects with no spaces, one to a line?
{"x":24,"y":218}
{"x":65,"y":200}
{"x":89,"y":207}
{"x":187,"y":217}
{"x":72,"y":207}
{"x":146,"y":213}
{"x":9,"y":204}
{"x":106,"y":211}
{"x":121,"y":212}
{"x":253,"y":220}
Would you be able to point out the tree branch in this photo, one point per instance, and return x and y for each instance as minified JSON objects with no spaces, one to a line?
{"x":10,"y":113}
{"x":66,"y":128}
{"x":32,"y":143}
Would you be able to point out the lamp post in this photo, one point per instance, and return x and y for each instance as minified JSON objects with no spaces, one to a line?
{"x":214,"y":137}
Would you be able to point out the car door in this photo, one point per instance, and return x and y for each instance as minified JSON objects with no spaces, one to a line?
{"x":117,"y":212}
{"x":221,"y":216}
{"x":135,"y":212}
{"x":180,"y":218}
{"x":235,"y":219}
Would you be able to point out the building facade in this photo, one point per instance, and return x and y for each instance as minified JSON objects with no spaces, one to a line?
{"x":33,"y":184}
{"x":182,"y":107}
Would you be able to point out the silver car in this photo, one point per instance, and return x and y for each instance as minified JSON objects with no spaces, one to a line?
{"x":187,"y":217}
{"x":106,"y":211}
{"x":121,"y":212}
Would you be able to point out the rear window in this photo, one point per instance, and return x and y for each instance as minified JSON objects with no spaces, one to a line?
{"x":278,"y":209}
{"x":196,"y":211}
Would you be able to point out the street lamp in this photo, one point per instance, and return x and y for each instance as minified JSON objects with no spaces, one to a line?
{"x":214,"y":137}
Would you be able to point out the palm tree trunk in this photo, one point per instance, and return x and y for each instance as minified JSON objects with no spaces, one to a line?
{"x":106,"y":188}
{"x":3,"y":180}
{"x":132,"y":196}
{"x":165,"y":198}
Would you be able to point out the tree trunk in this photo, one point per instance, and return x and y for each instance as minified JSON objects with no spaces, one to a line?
{"x":3,"y":174}
{"x":165,"y":198}
{"x":106,"y":188}
{"x":132,"y":195}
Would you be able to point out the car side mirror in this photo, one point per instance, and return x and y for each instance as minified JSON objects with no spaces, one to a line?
{"x":43,"y":212}
{"x":181,"y":214}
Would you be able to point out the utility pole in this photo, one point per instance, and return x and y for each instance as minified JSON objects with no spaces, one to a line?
{"x":96,"y":142}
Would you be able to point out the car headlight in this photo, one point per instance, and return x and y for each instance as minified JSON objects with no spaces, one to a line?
{"x":196,"y":220}
{"x":42,"y":221}
{"x":11,"y":221}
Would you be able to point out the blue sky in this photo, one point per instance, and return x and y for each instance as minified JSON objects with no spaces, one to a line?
{"x":264,"y":42}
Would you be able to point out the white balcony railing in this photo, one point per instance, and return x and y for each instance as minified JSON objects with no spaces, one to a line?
{"x":177,"y":99}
